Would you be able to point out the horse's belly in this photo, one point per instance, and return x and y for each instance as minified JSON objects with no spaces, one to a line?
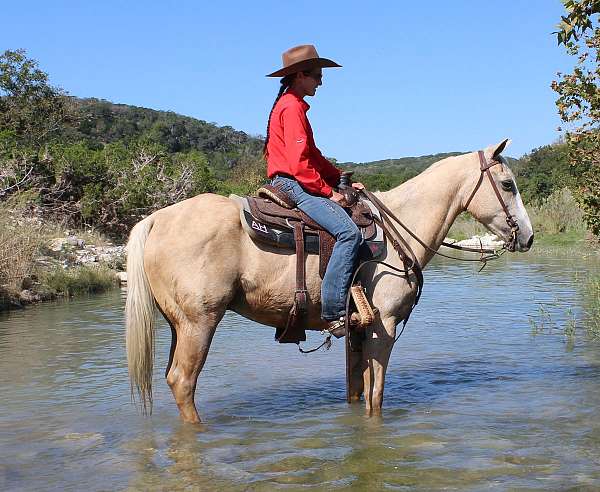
{"x":268,"y":284}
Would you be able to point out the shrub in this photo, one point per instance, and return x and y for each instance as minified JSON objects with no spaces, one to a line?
{"x":79,"y":280}
{"x":20,"y":241}
{"x":559,"y":213}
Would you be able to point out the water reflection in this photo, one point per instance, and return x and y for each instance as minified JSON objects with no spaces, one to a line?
{"x":473,"y":400}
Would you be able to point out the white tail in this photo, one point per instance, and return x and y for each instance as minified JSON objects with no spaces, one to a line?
{"x":139,"y":316}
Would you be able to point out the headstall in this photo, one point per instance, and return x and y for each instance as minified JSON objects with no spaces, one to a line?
{"x":510,"y":220}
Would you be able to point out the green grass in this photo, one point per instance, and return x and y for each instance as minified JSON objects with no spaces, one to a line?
{"x":79,"y":280}
{"x":570,"y":238}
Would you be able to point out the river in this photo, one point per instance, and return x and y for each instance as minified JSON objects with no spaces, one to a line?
{"x":494,"y":385}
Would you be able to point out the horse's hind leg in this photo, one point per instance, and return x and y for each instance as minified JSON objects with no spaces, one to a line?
{"x":191,"y":349}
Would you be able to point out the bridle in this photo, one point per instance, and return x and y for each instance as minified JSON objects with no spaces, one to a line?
{"x":387,"y":219}
{"x":485,"y":166}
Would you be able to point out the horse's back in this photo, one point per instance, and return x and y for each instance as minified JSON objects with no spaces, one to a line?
{"x":194,"y":249}
{"x":197,"y":217}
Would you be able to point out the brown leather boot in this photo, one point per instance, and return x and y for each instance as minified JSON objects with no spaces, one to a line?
{"x":337,"y":327}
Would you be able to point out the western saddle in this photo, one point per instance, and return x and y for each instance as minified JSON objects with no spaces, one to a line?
{"x":271,"y":217}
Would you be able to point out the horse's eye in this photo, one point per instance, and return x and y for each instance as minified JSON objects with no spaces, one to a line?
{"x":508,"y":185}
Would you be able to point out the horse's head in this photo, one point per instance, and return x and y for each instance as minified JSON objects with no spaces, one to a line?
{"x":495,"y":200}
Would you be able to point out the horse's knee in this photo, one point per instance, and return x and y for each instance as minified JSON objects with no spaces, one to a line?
{"x":374,"y":402}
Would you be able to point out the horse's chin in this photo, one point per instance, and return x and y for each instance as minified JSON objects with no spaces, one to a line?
{"x":524,"y":245}
{"x":517,"y":247}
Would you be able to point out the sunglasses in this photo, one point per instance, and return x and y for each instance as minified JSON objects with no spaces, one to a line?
{"x":316,"y":76}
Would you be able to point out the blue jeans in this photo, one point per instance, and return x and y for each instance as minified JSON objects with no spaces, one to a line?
{"x":334,"y":219}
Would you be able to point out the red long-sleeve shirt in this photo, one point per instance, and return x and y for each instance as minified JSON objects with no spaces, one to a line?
{"x":292,"y":150}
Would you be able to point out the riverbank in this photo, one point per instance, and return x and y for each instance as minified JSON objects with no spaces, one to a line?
{"x":41,"y":260}
{"x":557,"y":222}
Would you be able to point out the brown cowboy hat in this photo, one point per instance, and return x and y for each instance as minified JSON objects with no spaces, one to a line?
{"x":300,"y":58}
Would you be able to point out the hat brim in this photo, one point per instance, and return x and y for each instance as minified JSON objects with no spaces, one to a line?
{"x":304,"y":65}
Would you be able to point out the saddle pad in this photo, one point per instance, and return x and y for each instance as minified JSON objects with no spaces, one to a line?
{"x":283,"y":237}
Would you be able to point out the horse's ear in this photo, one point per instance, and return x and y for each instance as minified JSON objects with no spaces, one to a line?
{"x":497,"y":149}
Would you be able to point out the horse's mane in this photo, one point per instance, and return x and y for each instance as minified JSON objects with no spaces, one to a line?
{"x":441,"y":162}
{"x":412,"y":188}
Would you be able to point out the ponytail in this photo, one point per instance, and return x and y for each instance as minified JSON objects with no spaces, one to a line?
{"x":286,"y":82}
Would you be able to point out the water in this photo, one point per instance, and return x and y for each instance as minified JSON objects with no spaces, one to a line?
{"x":484,"y":391}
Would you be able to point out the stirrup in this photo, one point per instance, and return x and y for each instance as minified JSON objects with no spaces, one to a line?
{"x":366,"y":314}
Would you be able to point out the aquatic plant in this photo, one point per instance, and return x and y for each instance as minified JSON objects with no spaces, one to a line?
{"x":592,"y":306}
{"x":555,"y":317}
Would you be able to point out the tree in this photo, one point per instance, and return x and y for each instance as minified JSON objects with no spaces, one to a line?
{"x":578,"y":103}
{"x":30,"y":107}
{"x":542,"y":172}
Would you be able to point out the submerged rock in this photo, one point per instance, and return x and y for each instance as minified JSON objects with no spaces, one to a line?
{"x":27,"y":296}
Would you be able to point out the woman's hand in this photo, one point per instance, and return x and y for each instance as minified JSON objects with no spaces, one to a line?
{"x":358,"y":186}
{"x":338,"y":198}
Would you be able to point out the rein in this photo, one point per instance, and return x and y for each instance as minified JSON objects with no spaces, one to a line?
{"x":486,"y":253}
{"x":490,"y":254}
{"x":407,"y":255}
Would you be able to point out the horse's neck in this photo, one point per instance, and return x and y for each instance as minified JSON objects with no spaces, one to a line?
{"x":429,"y":203}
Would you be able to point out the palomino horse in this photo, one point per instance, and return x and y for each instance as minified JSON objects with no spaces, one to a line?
{"x":194,"y":261}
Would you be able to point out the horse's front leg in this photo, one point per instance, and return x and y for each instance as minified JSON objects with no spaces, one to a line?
{"x":377,"y":348}
{"x":356,"y":369}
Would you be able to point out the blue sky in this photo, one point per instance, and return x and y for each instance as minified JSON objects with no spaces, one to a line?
{"x":417,"y":77}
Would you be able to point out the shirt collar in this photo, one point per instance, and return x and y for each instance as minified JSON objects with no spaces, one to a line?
{"x":305,"y":105}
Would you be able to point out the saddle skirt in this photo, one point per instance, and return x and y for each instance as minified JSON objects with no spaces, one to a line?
{"x":266,"y":221}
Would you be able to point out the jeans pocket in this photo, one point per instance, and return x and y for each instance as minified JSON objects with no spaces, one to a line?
{"x":286,"y":185}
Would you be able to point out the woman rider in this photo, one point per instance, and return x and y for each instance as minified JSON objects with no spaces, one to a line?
{"x":296,"y":166}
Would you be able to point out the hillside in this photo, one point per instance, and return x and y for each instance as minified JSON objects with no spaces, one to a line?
{"x":385,"y":174}
{"x":417,"y":164}
{"x":99,"y":122}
